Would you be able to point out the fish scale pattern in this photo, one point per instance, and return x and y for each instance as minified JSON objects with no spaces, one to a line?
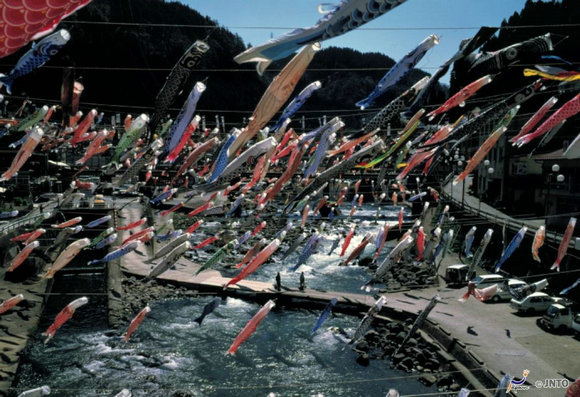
{"x":23,"y":21}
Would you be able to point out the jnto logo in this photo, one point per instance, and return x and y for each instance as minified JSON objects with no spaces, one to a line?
{"x":518,"y":384}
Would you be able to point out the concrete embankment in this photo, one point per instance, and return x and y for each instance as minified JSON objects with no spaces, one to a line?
{"x":21,"y":322}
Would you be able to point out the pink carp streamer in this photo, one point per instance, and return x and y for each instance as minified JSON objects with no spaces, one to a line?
{"x":252,"y":252}
{"x":10,"y":303}
{"x":414,"y":161}
{"x":305,"y":212}
{"x":256,"y":262}
{"x":172,"y":156}
{"x":479,"y":294}
{"x":194,"y":156}
{"x":64,"y":315}
{"x":401,"y":215}
{"x":347,"y":241}
{"x":29,"y":237}
{"x":293,"y":164}
{"x":464,"y":94}
{"x":200,"y":209}
{"x":207,"y":241}
{"x":81,"y":129}
{"x":132,"y":225}
{"x":276,"y":95}
{"x":22,"y":255}
{"x":23,"y":154}
{"x":250,"y":327}
{"x":569,"y":109}
{"x":135,"y":323}
{"x":66,"y":256}
{"x":70,"y":222}
{"x":258,"y":228}
{"x":535,"y":119}
{"x":564,"y":243}
{"x":539,"y":238}
{"x":194,"y":227}
{"x":137,"y":236}
{"x":96,"y":146}
{"x":420,"y":243}
{"x":383,"y":240}
{"x":480,"y":154}
{"x":359,"y":249}
{"x":351,"y":144}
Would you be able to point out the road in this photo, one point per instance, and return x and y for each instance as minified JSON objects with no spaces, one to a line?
{"x":545,"y":355}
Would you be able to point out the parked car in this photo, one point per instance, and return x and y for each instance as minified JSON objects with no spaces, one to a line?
{"x":533,"y":303}
{"x":456,"y":274}
{"x":486,"y":280}
{"x":576,"y":324}
{"x":558,"y":317}
{"x":520,"y":292}
{"x":503,"y":292}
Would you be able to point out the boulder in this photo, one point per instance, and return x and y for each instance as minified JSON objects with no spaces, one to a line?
{"x":445,"y":381}
{"x":432,"y":364}
{"x":454,"y":387}
{"x":363,"y":359}
{"x":427,"y":379}
{"x":362,"y":346}
{"x":406,"y":363}
{"x":398,"y":357}
{"x":400,"y":336}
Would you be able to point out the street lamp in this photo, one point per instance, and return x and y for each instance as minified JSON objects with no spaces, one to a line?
{"x":490,"y":171}
{"x":460,"y":165}
{"x":559,"y":178}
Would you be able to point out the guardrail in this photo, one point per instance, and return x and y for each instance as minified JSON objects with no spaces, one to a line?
{"x":510,"y":223}
{"x":22,"y":221}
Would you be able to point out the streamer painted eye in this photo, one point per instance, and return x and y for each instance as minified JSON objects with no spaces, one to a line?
{"x":511,"y":53}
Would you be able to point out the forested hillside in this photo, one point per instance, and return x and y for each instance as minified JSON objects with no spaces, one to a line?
{"x":146,"y":53}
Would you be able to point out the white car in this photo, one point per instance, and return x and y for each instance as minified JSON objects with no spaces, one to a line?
{"x":503,"y":291}
{"x":576,"y":324}
{"x":456,"y":274}
{"x":486,"y":280}
{"x":558,"y":317}
{"x":533,"y":303}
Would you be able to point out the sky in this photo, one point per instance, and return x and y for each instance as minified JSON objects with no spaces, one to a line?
{"x":446,"y":18}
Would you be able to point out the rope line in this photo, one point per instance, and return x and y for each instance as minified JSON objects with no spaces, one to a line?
{"x":194,"y":26}
{"x":232,"y":70}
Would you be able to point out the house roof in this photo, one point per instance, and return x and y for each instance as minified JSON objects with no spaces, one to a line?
{"x":555,"y":155}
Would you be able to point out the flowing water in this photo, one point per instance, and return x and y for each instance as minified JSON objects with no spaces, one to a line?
{"x":323,"y":271}
{"x":171,"y":355}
